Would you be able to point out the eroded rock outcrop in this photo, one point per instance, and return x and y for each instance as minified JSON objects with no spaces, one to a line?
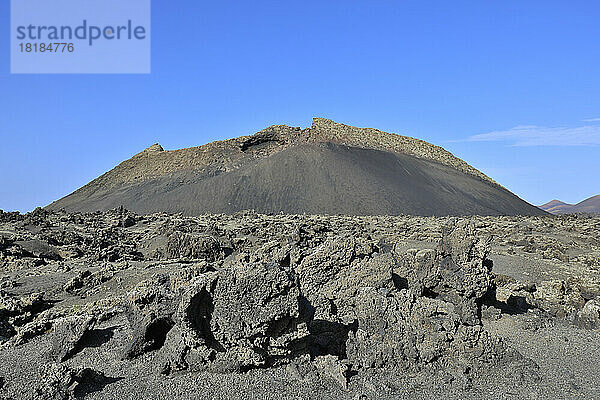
{"x":59,"y":382}
{"x":433,"y":315}
{"x":229,"y":320}
{"x":68,"y":335}
{"x":18,"y":311}
{"x":346,"y":301}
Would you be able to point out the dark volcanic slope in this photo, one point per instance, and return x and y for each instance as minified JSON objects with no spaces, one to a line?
{"x":590,"y":206}
{"x":316,"y":170}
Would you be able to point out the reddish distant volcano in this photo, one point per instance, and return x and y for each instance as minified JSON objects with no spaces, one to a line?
{"x":588,"y":206}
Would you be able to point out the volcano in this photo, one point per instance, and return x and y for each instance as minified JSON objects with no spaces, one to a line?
{"x":587,"y":206}
{"x":329,"y":168}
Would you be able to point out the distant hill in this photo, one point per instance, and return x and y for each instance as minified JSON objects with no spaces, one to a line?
{"x":329,"y":168}
{"x":590,"y":206}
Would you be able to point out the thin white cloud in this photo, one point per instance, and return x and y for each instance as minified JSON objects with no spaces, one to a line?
{"x":531,"y":135}
{"x":591,"y":120}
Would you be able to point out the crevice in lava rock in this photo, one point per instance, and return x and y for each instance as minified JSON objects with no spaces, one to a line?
{"x":199,"y":313}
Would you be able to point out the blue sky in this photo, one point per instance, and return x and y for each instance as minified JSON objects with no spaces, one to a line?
{"x":512,"y":87}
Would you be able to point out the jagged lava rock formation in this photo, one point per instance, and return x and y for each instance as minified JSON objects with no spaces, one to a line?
{"x":116,"y":305}
{"x":321,"y":299}
{"x":329,"y":168}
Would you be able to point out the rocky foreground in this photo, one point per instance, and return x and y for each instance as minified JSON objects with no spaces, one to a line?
{"x":119,"y":306}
